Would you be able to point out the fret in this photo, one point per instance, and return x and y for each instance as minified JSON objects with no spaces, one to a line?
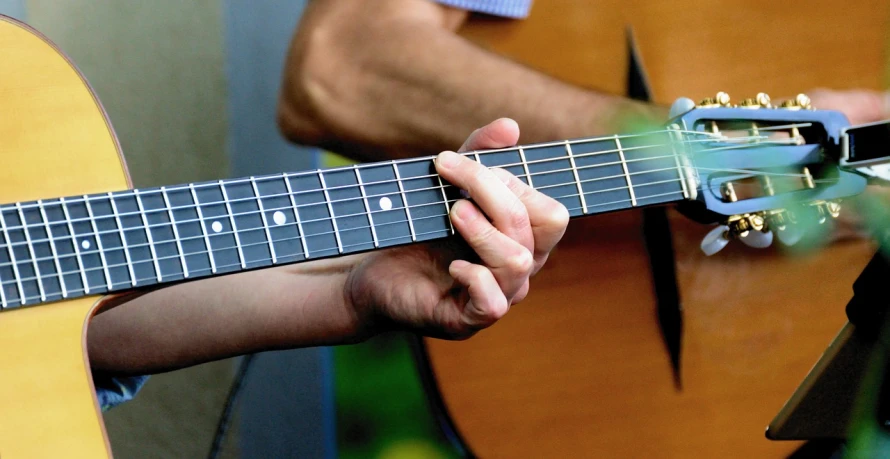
{"x":159,"y":228}
{"x":281,"y":219}
{"x":203,"y":225}
{"x":139,"y":247}
{"x":120,"y":227}
{"x":391,"y":221}
{"x":361,"y":186}
{"x":426,"y":209}
{"x":525,"y":167}
{"x":653,"y":165}
{"x":78,"y":257}
{"x":189,"y":228}
{"x":350,"y":213}
{"x":52,"y":244}
{"x":395,"y":168}
{"x":293,"y":202}
{"x":446,"y":201}
{"x":601,"y":174}
{"x":248,"y":221}
{"x":109,"y":241}
{"x":185,"y":269}
{"x":18,"y":295}
{"x":217,"y":223}
{"x":331,"y":211}
{"x":551,"y":167}
{"x":311,"y":207}
{"x":577,"y":178}
{"x":256,"y":192}
{"x":30,"y":246}
{"x":234,"y":228}
{"x":5,"y":268}
{"x":98,"y":240}
{"x":630,"y":187}
{"x":85,"y":238}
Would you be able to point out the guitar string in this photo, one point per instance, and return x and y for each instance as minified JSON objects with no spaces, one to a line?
{"x":149,"y":192}
{"x":178,"y":275}
{"x":169,"y":224}
{"x":355,"y":186}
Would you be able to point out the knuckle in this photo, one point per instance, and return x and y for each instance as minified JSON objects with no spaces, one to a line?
{"x":496,"y":310}
{"x":518,"y":215}
{"x":522,"y":262}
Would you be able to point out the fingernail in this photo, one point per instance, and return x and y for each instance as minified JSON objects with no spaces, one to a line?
{"x":462,"y":210}
{"x":448,"y":159}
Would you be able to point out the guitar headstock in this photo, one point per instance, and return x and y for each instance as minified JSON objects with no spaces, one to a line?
{"x":761,"y":167}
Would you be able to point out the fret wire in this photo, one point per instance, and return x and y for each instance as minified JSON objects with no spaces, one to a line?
{"x":98,"y":242}
{"x":30,"y":248}
{"x":203,"y":225}
{"x":327,"y":198}
{"x":185,"y":269}
{"x":445,"y":200}
{"x":15,"y":263}
{"x":78,"y":258}
{"x":232,"y":221}
{"x":259,"y":200}
{"x":633,"y":198}
{"x":151,"y":242}
{"x":395,"y":169}
{"x":441,"y":215}
{"x":361,"y":187}
{"x":528,"y":176}
{"x":577,"y":177}
{"x":123,"y":235}
{"x":52,"y":246}
{"x":293,"y":203}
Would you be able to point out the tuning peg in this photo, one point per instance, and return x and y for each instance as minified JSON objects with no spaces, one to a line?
{"x":763,"y":99}
{"x":681,"y":106}
{"x":789,"y":234}
{"x":715,"y":240}
{"x":801,"y":101}
{"x":758,"y":239}
{"x":720,"y":100}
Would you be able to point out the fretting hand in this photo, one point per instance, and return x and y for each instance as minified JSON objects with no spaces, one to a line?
{"x":453,"y":289}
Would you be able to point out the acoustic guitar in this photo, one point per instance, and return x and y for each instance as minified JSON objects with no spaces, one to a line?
{"x":71,"y":243}
{"x":580,"y":368}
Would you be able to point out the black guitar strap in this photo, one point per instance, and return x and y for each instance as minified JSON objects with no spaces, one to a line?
{"x":657,"y":234}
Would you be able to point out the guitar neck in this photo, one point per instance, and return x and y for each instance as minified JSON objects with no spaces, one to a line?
{"x":74,"y":246}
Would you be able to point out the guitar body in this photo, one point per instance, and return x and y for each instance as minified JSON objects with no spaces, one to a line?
{"x":55,"y":140}
{"x":579,"y":369}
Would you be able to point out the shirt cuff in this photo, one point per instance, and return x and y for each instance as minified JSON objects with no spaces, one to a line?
{"x":114,"y":390}
{"x":506,"y":8}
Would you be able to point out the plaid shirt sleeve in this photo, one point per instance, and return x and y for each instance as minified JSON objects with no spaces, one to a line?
{"x":113,"y":390}
{"x":507,"y":8}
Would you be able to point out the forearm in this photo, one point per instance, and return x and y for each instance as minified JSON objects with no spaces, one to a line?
{"x":195,"y":322}
{"x":403,"y":86}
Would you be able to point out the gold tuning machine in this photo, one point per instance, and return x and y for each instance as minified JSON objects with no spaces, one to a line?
{"x":720,"y":100}
{"x":801,"y":101}
{"x":740,"y":225}
{"x":761,"y":100}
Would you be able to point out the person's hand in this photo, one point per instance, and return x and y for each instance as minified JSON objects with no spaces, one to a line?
{"x":860,"y":105}
{"x":455,"y":288}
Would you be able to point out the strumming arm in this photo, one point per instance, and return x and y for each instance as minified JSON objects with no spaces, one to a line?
{"x":390,"y":78}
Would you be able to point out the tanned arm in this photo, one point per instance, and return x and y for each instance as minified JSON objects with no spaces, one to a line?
{"x":390,"y":78}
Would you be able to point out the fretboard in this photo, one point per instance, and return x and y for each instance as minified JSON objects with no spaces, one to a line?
{"x":83,"y":245}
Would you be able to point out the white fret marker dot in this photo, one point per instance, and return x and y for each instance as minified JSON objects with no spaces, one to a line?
{"x":85,"y":244}
{"x":279,"y":218}
{"x":216,"y":227}
{"x":385,"y":203}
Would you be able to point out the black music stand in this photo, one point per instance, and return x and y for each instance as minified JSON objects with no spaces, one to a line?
{"x":824,"y":404}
